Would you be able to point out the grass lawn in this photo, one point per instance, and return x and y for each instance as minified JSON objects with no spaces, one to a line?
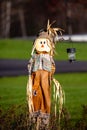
{"x":13,"y":91}
{"x":75,"y":87}
{"x":21,"y":49}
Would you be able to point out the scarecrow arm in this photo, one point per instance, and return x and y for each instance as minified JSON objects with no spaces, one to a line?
{"x":30,"y":65}
{"x":53,"y":66}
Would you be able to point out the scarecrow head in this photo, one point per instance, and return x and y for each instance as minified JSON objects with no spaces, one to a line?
{"x":43,"y":43}
{"x":46,"y":40}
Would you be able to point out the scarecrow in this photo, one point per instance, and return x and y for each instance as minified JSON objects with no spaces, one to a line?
{"x":41,"y":68}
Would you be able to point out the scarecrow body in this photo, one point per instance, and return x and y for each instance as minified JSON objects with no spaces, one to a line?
{"x":41,"y":68}
{"x":41,"y":78}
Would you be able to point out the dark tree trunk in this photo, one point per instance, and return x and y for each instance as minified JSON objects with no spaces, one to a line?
{"x":22,"y":22}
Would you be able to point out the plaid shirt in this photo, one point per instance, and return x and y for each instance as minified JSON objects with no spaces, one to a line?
{"x":40,"y":62}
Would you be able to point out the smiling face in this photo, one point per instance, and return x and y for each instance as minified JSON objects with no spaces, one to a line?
{"x":42,"y":45}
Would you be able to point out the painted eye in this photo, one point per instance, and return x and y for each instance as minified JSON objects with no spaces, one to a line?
{"x":41,"y":42}
{"x":44,"y":42}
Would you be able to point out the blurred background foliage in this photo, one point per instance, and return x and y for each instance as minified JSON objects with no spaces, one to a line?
{"x":22,"y":18}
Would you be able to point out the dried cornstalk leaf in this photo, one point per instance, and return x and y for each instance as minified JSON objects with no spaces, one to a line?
{"x":29,"y":95}
{"x":59,"y":97}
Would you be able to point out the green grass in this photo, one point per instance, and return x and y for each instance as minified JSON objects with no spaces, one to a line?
{"x":81,"y":49}
{"x":13,"y":91}
{"x":75,"y":87}
{"x":17,"y":49}
{"x":21,"y":49}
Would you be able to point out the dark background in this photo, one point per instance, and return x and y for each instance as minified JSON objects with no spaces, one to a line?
{"x":22,"y":18}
